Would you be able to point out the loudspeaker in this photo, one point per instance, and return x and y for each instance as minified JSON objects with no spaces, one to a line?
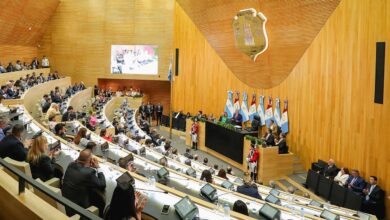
{"x":379,"y":72}
{"x":177,"y":62}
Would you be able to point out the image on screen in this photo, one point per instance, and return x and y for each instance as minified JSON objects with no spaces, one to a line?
{"x":134,"y":59}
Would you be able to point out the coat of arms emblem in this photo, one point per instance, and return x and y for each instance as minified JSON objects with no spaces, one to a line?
{"x":250,"y":33}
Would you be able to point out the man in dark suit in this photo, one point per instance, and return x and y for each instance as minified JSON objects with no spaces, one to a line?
{"x":237,"y":118}
{"x":69,"y":115}
{"x":12,"y":147}
{"x":83,"y":179}
{"x":330,"y":170}
{"x":249,"y":189}
{"x":269,"y":138}
{"x":283,"y":149}
{"x":373,"y":202}
{"x":142,"y":110}
{"x":149,"y":111}
{"x":188,"y":154}
{"x":355,"y":182}
{"x":159,"y":111}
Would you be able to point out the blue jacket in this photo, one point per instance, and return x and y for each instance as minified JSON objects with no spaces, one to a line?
{"x":249,"y":191}
{"x":358,"y":185}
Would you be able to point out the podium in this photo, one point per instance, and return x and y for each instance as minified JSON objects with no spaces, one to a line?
{"x":272,"y":165}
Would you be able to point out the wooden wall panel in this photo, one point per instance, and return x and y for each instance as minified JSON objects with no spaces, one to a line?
{"x":291,"y":26}
{"x":330,"y":91}
{"x":79,"y":38}
{"x":155,"y":91}
{"x":23,"y":22}
{"x":12,"y":53}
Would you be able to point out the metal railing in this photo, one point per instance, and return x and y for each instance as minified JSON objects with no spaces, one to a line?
{"x":23,"y":179}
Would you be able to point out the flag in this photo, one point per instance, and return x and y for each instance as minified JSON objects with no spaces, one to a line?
{"x":229,"y":108}
{"x":277,"y":112}
{"x":170,"y":71}
{"x":260,"y":110}
{"x":237,"y":102}
{"x":244,"y":107}
{"x":268,"y":113}
{"x":252,"y":108}
{"x":284,"y":120}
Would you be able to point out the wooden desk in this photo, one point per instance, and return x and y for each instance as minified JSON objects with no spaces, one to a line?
{"x":273,"y":165}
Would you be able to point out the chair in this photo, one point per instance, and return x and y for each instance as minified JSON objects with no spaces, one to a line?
{"x":48,"y":199}
{"x":337,"y":195}
{"x":353,"y":200}
{"x":312,"y":180}
{"x":325,"y":187}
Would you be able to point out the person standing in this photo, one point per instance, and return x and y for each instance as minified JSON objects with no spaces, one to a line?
{"x":45,"y":62}
{"x":159,"y":111}
{"x":253,"y":158}
{"x":194,"y":134}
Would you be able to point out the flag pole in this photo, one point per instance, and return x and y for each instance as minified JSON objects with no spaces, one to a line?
{"x":171,"y":100}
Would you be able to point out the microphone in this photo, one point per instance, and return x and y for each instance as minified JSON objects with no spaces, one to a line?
{"x":151,"y":190}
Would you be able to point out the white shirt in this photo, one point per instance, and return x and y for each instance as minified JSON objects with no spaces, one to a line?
{"x":45,"y":62}
{"x":370,"y":191}
{"x":341,"y":178}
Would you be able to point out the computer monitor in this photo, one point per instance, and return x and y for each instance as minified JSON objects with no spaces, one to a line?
{"x":209,"y":192}
{"x":363,"y":216}
{"x":186,"y":209}
{"x":227,"y":184}
{"x":269,"y":212}
{"x":272,"y":199}
{"x":274,"y":192}
{"x":163,"y":172}
{"x":329,"y":215}
{"x":191,"y":172}
{"x":316,"y":203}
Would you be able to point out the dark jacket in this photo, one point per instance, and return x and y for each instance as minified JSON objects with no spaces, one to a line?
{"x":283,"y":149}
{"x":375,"y":204}
{"x":79,"y":183}
{"x":11,"y":147}
{"x":358,"y":185}
{"x":43,"y":169}
{"x":249,"y":191}
{"x":270,"y":141}
{"x":330,"y":171}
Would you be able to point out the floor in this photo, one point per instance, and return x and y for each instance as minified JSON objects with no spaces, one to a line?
{"x":180,"y":144}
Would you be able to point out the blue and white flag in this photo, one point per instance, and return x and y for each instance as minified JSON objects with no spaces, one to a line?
{"x":237,"y":101}
{"x":268,"y":113}
{"x":170,"y":71}
{"x":252,"y":108}
{"x":277,"y":112}
{"x":244,"y":107}
{"x":229,"y":108}
{"x":284,"y":120}
{"x":260,"y":110}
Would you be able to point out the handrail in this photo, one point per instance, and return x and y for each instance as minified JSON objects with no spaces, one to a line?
{"x":23,"y":178}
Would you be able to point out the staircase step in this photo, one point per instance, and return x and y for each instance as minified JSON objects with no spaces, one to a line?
{"x":298,"y":185}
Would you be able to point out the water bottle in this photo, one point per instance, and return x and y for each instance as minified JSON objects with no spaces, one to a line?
{"x":226,"y":210}
{"x":302,"y":213}
{"x":152,"y":181}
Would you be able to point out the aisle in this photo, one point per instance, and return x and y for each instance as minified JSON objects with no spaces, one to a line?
{"x":180,"y":144}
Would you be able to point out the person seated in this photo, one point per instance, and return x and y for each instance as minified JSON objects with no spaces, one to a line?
{"x":237,"y":118}
{"x":3,"y":92}
{"x":60,"y":131}
{"x":53,"y":111}
{"x":342,"y":176}
{"x":196,"y":157}
{"x":240,"y":207}
{"x":355,"y":182}
{"x":223,"y":118}
{"x":2,"y":69}
{"x":91,"y":146}
{"x":188,"y":153}
{"x":291,"y":190}
{"x":206,"y":161}
{"x":69,"y":115}
{"x":92,"y":121}
{"x":10,"y":67}
{"x":281,"y":143}
{"x":248,"y":188}
{"x":3,"y":125}
{"x":126,"y":203}
{"x":229,"y":170}
{"x":222,"y":174}
{"x":269,"y":138}
{"x":274,"y":127}
{"x":18,"y":66}
{"x":82,"y":180}
{"x":206,"y":176}
{"x":11,"y":145}
{"x":103,"y":134}
{"x":81,"y":138}
{"x":373,"y":201}
{"x":42,"y":164}
{"x":330,"y":170}
{"x":41,"y":78}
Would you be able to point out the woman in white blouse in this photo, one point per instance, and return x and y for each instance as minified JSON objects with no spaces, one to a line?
{"x":342,"y":177}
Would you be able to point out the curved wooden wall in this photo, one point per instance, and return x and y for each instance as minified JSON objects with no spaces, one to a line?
{"x":5,"y":77}
{"x":81,"y":98}
{"x":331,"y":90}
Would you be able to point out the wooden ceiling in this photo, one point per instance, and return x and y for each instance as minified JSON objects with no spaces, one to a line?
{"x":17,"y":17}
{"x":292,"y":26}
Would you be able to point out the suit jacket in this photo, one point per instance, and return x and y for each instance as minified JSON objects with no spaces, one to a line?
{"x":11,"y":147}
{"x":43,"y":169}
{"x":283,"y":149}
{"x":67,"y":116}
{"x":358,"y":185}
{"x":270,"y":140}
{"x":159,"y":109}
{"x":330,"y":171}
{"x":249,"y":191}
{"x":79,"y":183}
{"x":376,"y":196}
